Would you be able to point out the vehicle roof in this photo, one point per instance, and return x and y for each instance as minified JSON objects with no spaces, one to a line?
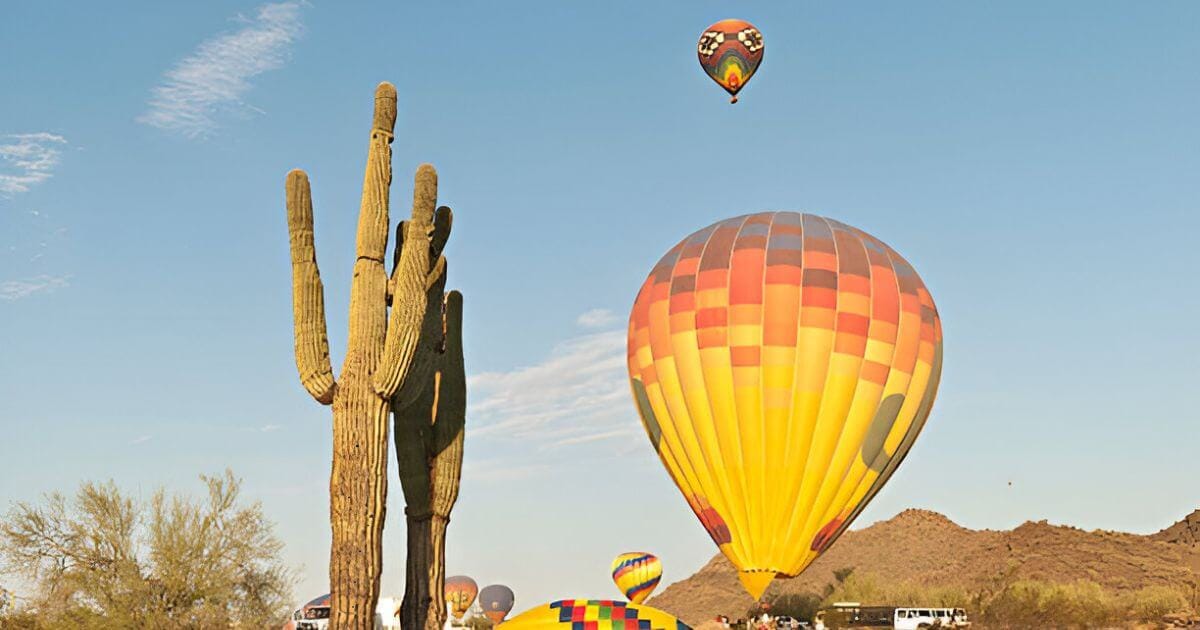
{"x":320,"y":602}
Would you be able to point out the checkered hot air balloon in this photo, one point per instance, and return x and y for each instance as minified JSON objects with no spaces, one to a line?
{"x":783,"y":364}
{"x":636,"y":574}
{"x":730,"y":52}
{"x":593,"y":614}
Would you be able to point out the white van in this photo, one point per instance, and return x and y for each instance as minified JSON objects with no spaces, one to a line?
{"x":920,"y":618}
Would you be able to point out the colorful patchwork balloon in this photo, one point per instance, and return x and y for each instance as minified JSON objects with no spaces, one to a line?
{"x":593,"y":614}
{"x":783,"y":364}
{"x":460,"y":594}
{"x":730,"y":52}
{"x":496,"y":601}
{"x":636,"y":574}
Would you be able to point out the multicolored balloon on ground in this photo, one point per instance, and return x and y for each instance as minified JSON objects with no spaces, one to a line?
{"x":636,"y":574}
{"x":460,"y":594}
{"x":783,"y":364}
{"x":593,"y":614}
{"x":730,"y":52}
{"x":496,"y":601}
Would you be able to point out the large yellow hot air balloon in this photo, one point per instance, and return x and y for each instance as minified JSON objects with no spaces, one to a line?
{"x":783,"y":364}
{"x":637,"y":574}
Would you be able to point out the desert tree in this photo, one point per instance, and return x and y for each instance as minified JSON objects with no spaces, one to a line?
{"x":103,"y":559}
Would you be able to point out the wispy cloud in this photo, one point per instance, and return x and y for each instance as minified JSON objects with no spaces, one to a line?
{"x":27,"y":159}
{"x":141,"y":439}
{"x":217,"y":74}
{"x":11,"y":290}
{"x":266,"y":428}
{"x":622,"y":433}
{"x":579,"y":394}
{"x":597,"y":318}
{"x":500,"y":471}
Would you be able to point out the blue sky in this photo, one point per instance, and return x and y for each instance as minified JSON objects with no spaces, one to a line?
{"x":1035,"y":162}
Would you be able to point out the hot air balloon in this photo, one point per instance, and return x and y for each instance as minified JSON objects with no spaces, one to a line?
{"x":636,"y":574}
{"x":730,"y":52}
{"x":496,"y":601}
{"x":460,"y":593}
{"x":593,"y":614}
{"x":782,"y":364}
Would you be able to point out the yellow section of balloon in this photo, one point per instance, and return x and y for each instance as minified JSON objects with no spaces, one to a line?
{"x":783,"y":365}
{"x":594,"y":613}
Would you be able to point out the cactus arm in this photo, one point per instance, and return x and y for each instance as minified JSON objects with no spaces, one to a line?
{"x":425,"y":357}
{"x":409,"y":287}
{"x":368,"y":289}
{"x":414,"y":423}
{"x":450,"y":415}
{"x":308,"y":293}
{"x":401,"y":230}
{"x":443,"y":220}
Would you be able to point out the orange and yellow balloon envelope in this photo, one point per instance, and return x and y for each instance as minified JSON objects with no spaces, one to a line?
{"x":460,"y":594}
{"x":783,"y":364}
{"x":730,"y":52}
{"x":636,"y":574}
{"x":593,"y":614}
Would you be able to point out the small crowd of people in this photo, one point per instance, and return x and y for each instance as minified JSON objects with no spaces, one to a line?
{"x":761,"y":622}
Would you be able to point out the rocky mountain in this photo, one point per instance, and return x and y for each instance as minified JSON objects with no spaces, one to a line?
{"x":926,"y":548}
{"x":1186,"y":531}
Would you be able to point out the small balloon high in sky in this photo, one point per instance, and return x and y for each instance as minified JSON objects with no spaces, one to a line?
{"x":730,"y":52}
{"x":783,"y":365}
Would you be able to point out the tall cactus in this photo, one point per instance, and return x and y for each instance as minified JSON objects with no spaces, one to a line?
{"x":385,"y":357}
{"x":431,"y":464}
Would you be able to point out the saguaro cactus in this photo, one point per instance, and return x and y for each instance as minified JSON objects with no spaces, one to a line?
{"x":429,"y":450}
{"x":384,"y":357}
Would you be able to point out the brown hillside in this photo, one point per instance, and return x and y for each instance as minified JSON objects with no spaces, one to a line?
{"x":927,"y":548}
{"x":1186,"y":531}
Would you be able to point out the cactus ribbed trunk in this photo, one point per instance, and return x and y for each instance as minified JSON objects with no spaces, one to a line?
{"x":357,"y":504}
{"x":400,"y":358}
{"x":358,"y":480}
{"x":429,"y":451}
{"x":424,"y":604}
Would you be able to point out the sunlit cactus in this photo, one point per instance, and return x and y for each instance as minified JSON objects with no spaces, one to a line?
{"x":410,"y":360}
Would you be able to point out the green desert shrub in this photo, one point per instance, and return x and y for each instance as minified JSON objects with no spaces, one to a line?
{"x":1023,"y":603}
{"x":795,"y":605}
{"x":1153,"y":602}
{"x":871,"y":589}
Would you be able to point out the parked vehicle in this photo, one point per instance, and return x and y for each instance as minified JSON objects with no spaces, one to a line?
{"x":914,"y":618}
{"x":855,"y":615}
{"x":311,"y":616}
{"x":315,"y":615}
